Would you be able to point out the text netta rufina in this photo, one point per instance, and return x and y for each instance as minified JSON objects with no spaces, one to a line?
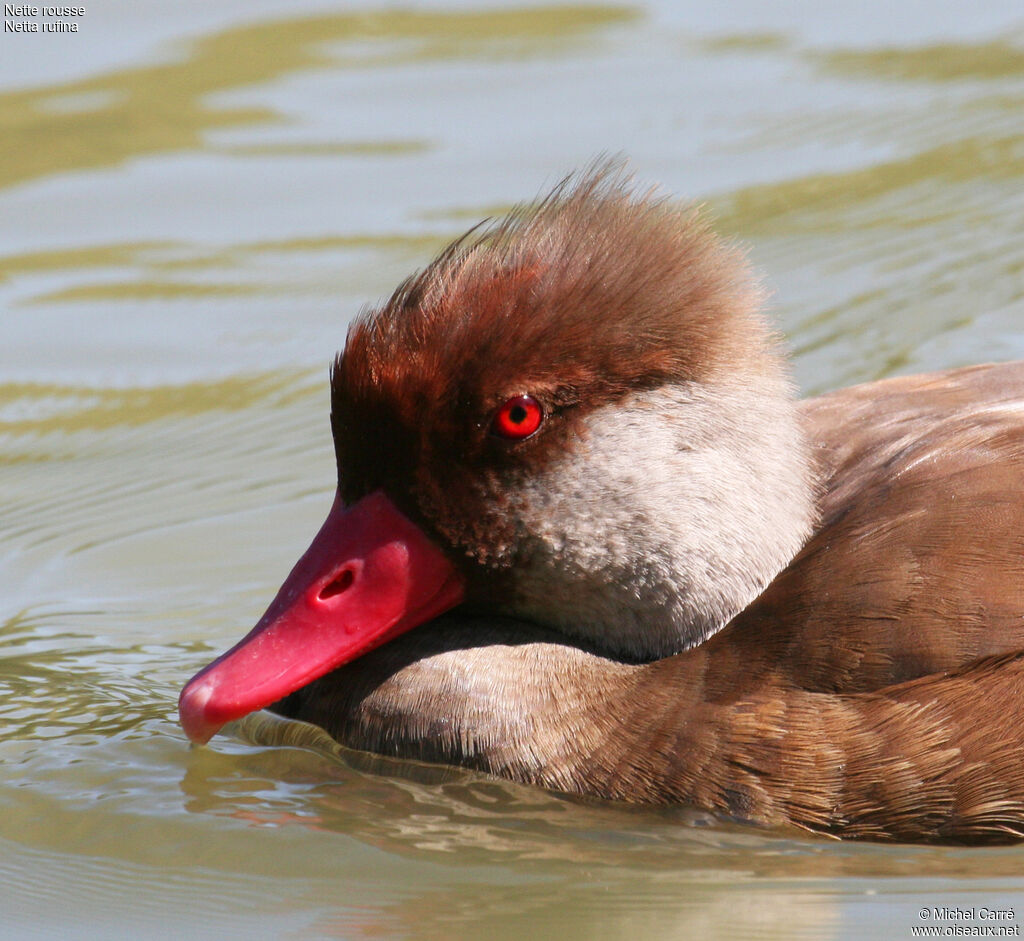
{"x":667,"y":580}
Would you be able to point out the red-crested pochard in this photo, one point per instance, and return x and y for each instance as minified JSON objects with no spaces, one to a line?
{"x":672,"y":582}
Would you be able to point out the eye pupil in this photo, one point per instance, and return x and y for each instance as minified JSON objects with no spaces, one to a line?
{"x":517,"y":414}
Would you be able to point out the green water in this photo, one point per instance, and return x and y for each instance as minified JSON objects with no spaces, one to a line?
{"x":194,"y":201}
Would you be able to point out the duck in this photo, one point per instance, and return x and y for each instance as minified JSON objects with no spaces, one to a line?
{"x":586,"y":537}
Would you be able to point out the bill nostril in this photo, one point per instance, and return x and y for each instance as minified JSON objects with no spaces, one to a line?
{"x":340,"y":583}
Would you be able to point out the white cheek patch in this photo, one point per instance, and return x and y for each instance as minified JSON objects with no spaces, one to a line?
{"x":673,"y":513}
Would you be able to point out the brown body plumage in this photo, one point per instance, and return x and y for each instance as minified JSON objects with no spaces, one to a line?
{"x":873,"y":691}
{"x":685,"y":587}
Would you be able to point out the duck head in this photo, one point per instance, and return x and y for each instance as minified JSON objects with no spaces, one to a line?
{"x":576,"y":416}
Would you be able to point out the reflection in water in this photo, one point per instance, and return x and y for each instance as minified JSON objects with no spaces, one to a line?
{"x":591,"y":869}
{"x":800,"y":204}
{"x":943,"y":62}
{"x":40,"y":408}
{"x":162,"y":108}
{"x":152,"y":263}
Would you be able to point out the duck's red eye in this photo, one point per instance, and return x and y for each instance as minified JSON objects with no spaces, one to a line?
{"x":518,"y":418}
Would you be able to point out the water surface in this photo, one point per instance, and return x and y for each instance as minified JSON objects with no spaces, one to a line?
{"x":195,"y":199}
